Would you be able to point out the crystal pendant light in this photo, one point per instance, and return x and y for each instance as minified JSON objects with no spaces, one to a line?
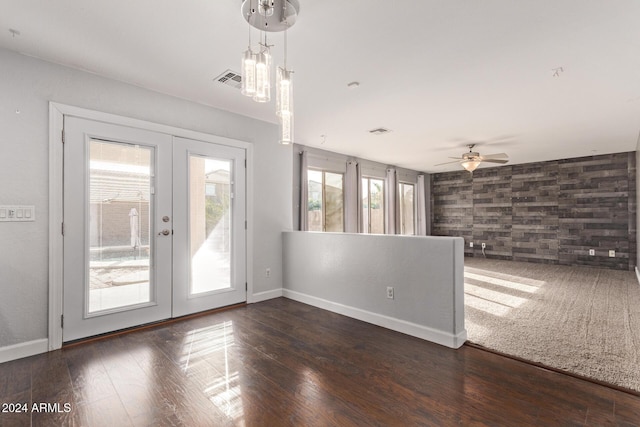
{"x":270,"y":16}
{"x":286,"y":129}
{"x":249,"y":73}
{"x":284,"y":99}
{"x":248,"y":68}
{"x":284,"y":92}
{"x":263,"y":75}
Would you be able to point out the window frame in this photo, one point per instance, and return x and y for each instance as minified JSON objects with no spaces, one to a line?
{"x":366,"y":228}
{"x":400,"y":208}
{"x":324,"y":197}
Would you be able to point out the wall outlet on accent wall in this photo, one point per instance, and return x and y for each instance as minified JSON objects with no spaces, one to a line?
{"x":592,"y":252}
{"x":612,"y":253}
{"x":484,"y":245}
{"x":470,"y":244}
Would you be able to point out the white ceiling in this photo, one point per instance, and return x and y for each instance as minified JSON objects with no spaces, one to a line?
{"x":439,"y":74}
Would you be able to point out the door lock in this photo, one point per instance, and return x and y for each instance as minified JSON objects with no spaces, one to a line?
{"x":164,"y":232}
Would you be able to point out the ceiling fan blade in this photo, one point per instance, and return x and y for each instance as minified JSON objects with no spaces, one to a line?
{"x":497,"y":156}
{"x":448,"y":163}
{"x":495,"y":160}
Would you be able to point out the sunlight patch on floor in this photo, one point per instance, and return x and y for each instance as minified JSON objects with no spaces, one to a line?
{"x":512,"y":284}
{"x":225,"y":393}
{"x":494,"y":296}
{"x":224,"y":389}
{"x":486,"y":305}
{"x":199,"y":343}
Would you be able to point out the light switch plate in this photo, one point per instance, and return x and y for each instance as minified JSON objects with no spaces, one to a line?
{"x":17,"y":213}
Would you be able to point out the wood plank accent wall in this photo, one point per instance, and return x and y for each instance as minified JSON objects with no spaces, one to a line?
{"x":550,"y":212}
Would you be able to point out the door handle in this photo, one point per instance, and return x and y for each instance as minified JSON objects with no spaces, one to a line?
{"x":164,"y":232}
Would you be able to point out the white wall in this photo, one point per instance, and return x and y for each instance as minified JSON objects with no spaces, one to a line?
{"x":349,"y":274}
{"x":27,"y":85}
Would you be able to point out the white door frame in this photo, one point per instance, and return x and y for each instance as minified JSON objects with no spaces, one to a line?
{"x":56,"y":125}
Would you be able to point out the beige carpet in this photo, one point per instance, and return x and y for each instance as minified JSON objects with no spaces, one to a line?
{"x":577,"y":319}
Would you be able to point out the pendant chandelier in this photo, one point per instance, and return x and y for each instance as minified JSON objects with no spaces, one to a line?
{"x":269,"y":16}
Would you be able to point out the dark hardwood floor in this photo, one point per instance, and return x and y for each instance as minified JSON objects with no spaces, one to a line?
{"x":280,"y":363}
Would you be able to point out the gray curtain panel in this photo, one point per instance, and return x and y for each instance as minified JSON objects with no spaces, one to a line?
{"x":304,"y":192}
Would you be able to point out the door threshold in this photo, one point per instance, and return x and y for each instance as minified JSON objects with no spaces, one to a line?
{"x":151,"y":325}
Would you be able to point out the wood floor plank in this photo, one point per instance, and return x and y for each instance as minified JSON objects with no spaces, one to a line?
{"x":15,"y":377}
{"x":88,"y":375}
{"x":282,"y":363}
{"x":19,"y":416}
{"x":336,"y":376}
{"x":404,"y":369}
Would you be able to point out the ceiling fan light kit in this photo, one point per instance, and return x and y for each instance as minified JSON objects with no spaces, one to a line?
{"x":269,"y":16}
{"x":470,"y":165}
{"x":471,"y":160}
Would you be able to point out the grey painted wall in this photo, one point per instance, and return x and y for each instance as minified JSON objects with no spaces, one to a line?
{"x":354,"y":270}
{"x":637,"y":216}
{"x":27,"y":85}
{"x":551,"y":212}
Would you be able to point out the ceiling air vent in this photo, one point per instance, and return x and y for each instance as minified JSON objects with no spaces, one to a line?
{"x":379,"y":131}
{"x":230,"y":78}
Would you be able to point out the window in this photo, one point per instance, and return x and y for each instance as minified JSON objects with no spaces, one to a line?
{"x":372,"y":206}
{"x":326,"y":201}
{"x":406,"y":208}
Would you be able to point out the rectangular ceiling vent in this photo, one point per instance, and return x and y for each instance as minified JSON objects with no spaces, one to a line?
{"x":230,"y":78}
{"x":379,"y":131}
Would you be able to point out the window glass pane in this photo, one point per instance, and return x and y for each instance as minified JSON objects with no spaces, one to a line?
{"x":119,"y":224}
{"x":209,"y":224}
{"x":377,"y":206}
{"x":314,"y":204}
{"x":333,"y":189}
{"x":406,"y":208}
{"x":365,"y":205}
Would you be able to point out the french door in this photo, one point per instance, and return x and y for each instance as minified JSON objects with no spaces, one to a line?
{"x":209,"y":210}
{"x":154,"y":227}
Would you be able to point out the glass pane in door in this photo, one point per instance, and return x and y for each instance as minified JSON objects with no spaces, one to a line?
{"x":119,"y":225}
{"x":210,"y":201}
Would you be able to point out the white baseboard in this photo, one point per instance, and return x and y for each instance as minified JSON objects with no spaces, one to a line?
{"x":266,"y":295}
{"x":25,"y":349}
{"x":409,"y":328}
{"x":638,"y":274}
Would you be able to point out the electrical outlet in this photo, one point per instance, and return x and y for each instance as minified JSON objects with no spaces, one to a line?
{"x":484,"y":245}
{"x":592,"y":252}
{"x":470,"y":244}
{"x":267,"y":272}
{"x":390,"y":292}
{"x":612,"y":253}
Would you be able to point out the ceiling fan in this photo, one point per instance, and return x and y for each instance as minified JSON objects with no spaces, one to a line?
{"x":471,"y":160}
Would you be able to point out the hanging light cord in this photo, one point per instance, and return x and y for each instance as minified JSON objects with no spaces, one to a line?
{"x":284,"y":18}
{"x":249,"y":20}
